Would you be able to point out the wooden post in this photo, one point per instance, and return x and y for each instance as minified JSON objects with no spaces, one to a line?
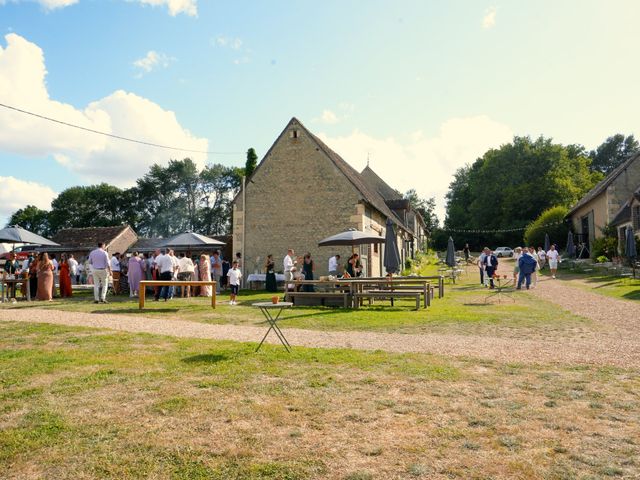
{"x":213,"y":296}
{"x":142,"y":292}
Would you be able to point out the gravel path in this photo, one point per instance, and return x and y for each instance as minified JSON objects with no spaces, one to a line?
{"x":616,"y":342}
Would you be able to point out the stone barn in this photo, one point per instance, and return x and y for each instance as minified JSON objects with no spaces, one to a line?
{"x":301,"y":192}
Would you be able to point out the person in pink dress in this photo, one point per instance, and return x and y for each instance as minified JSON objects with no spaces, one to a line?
{"x":135,"y":274}
{"x":204,"y":270}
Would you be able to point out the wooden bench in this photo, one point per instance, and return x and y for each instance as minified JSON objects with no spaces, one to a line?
{"x":428,"y":291}
{"x":373,"y":294}
{"x":322,"y":296}
{"x":175,"y":283}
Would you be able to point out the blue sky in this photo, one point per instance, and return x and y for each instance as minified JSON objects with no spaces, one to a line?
{"x":424,"y":86}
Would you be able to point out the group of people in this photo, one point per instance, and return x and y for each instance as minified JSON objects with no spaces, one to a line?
{"x":302,"y":267}
{"x":528,"y":261}
{"x":42,"y":271}
{"x":162,"y":264}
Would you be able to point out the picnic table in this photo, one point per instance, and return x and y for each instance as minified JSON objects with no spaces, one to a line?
{"x":176,"y":283}
{"x":390,"y":288}
{"x":266,"y":308}
{"x":324,"y":292}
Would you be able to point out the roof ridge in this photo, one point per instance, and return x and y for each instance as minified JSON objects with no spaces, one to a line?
{"x":604,"y":183}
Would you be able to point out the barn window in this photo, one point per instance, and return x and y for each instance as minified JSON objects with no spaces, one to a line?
{"x":293,"y":133}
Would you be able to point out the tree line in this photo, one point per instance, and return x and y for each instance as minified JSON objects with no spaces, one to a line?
{"x":165,"y":201}
{"x":511,"y":186}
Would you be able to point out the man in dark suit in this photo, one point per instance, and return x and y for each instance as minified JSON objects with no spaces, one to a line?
{"x":527,"y":265}
{"x":490,"y":265}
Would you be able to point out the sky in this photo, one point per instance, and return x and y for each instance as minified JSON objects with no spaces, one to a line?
{"x":417,"y":88}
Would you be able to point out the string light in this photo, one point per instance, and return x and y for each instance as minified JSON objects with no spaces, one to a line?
{"x":500,"y":230}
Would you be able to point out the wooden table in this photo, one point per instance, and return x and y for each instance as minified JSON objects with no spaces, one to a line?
{"x":14,"y":281}
{"x":175,"y":283}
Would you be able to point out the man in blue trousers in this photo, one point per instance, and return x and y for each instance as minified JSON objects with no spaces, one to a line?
{"x":527,"y":266}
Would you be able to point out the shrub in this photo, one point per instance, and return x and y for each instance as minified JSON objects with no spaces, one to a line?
{"x":602,"y":259}
{"x":604,"y":247}
{"x":534,"y":234}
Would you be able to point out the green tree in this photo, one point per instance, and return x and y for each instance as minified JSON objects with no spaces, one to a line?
{"x":425,"y":207}
{"x":251,"y":163}
{"x":612,"y":152}
{"x":509,"y":187}
{"x":219,"y":184}
{"x":31,"y":218}
{"x":550,"y":222}
{"x":100,"y":205}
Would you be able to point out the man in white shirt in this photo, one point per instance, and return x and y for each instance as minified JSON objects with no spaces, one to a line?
{"x":73,"y":269}
{"x":115,"y":272}
{"x":165,"y":268}
{"x":186,"y":271}
{"x":483,"y":280}
{"x":553,"y":257}
{"x":542,"y":257}
{"x":333,"y":265}
{"x":288,"y":264}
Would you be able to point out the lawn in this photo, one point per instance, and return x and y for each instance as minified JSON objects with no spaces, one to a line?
{"x":603,"y":284}
{"x":463,"y":310}
{"x":81,"y":403}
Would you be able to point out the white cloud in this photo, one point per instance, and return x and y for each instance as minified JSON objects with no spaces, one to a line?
{"x":329,"y":117}
{"x":175,"y":7}
{"x":188,"y":7}
{"x":489,"y":19}
{"x":94,"y":157}
{"x":233,"y":43}
{"x":424,"y":163}
{"x":16,"y":194}
{"x":152,"y":61}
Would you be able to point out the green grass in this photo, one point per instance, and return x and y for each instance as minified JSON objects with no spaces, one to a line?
{"x":463,"y":310}
{"x":83,"y":403}
{"x":604,"y":284}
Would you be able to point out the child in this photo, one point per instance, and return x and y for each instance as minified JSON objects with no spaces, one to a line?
{"x":234,"y":282}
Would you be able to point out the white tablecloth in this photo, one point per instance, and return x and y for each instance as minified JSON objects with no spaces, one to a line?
{"x":262,"y":277}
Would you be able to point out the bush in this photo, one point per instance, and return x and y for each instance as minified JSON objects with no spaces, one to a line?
{"x":604,"y":247}
{"x":534,"y":234}
{"x":602,"y":259}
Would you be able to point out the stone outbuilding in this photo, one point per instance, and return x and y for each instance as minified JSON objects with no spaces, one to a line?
{"x":601,"y":205}
{"x":301,"y":192}
{"x":80,"y":241}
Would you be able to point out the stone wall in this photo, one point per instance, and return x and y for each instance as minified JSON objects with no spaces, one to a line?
{"x":623,"y":187}
{"x":296,"y":197}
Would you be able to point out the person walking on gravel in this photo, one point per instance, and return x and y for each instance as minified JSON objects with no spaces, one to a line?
{"x":553,"y":257}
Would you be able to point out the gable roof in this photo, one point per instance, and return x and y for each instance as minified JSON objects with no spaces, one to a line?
{"x":624,"y":214}
{"x":602,"y":185}
{"x":88,"y":238}
{"x":367,"y":194}
{"x":373,"y":181}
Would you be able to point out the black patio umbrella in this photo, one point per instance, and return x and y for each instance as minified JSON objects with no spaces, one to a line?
{"x":547,"y":243}
{"x":391,"y":254}
{"x":191,"y":240}
{"x":450,"y":259}
{"x":571,"y":248}
{"x":351,"y":237}
{"x":16,"y":234}
{"x":630,"y":248}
